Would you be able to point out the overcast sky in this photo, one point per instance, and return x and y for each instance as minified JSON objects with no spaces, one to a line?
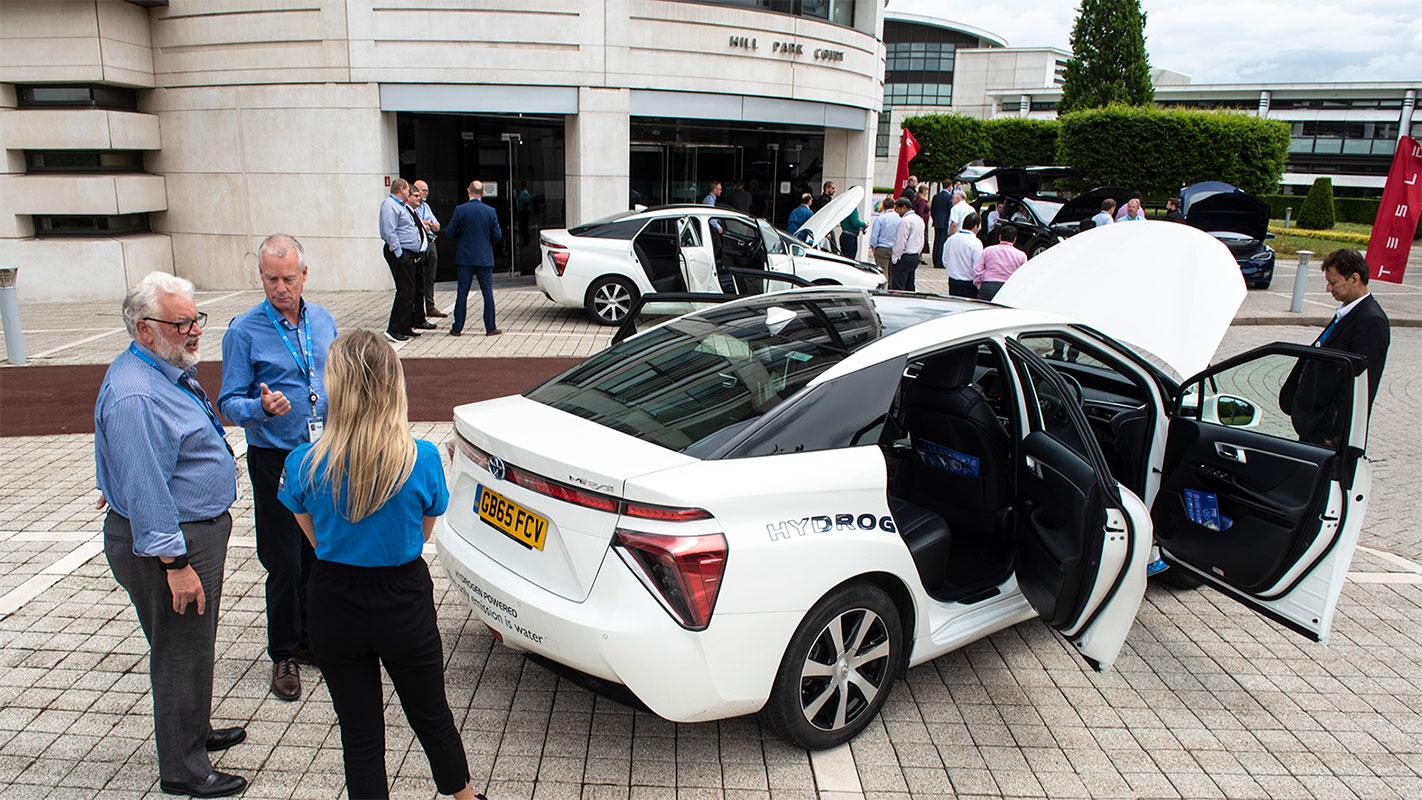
{"x":1230,"y":41}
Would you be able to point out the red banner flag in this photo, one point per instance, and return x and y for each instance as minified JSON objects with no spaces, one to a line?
{"x":908,"y":148}
{"x":1397,"y":214}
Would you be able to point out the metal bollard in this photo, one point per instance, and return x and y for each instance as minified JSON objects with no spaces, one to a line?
{"x":1300,"y":280}
{"x":1288,"y":216}
{"x":10,"y":311}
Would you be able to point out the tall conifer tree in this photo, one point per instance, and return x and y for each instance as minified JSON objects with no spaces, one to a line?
{"x":1108,"y":62}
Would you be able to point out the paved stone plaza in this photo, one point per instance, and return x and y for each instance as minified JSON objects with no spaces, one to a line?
{"x":1206,"y":700}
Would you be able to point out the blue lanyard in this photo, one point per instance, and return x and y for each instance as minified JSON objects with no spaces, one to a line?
{"x":203,"y":404}
{"x":304,"y":368}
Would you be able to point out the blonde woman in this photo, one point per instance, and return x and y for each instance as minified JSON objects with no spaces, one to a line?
{"x":367,"y":494}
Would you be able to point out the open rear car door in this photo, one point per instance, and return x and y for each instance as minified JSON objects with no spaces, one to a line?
{"x":1080,"y":542}
{"x":1264,"y":485}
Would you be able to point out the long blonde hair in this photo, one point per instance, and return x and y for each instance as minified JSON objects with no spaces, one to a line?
{"x":366,"y":445}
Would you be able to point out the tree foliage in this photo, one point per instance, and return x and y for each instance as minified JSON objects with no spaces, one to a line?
{"x":1157,"y":151}
{"x":946,"y":142}
{"x":1022,"y":142}
{"x":1317,"y":212}
{"x":1108,"y":61}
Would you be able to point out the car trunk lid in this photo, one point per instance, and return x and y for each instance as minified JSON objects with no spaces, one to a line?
{"x":568,"y":472}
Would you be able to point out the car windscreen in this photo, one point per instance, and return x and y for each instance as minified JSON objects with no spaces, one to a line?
{"x":1045,"y":210}
{"x":701,"y":377}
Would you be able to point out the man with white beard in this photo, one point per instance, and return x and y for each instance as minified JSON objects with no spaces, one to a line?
{"x":168,"y":475}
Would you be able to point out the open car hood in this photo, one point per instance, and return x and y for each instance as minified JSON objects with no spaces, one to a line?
{"x":1086,"y":204}
{"x":828,"y":218}
{"x":987,"y":178}
{"x":1215,"y":206}
{"x":1168,"y":289}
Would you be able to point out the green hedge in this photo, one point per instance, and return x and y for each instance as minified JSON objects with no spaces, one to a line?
{"x":946,"y":142}
{"x":1317,"y":212}
{"x":1022,"y":142}
{"x":1156,"y":151}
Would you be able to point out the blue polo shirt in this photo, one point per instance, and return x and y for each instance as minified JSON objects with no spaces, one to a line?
{"x":393,"y":535}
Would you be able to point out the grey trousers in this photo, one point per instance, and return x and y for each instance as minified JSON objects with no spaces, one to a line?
{"x":431,"y":267}
{"x":884,"y":258}
{"x":181,"y":646}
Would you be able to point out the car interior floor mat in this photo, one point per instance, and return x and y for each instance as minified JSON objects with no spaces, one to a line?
{"x":976,"y":566}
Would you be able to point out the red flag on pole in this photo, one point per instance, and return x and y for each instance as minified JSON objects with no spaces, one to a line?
{"x":1397,"y":213}
{"x":908,"y":148}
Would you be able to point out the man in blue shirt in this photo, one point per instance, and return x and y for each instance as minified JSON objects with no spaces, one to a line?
{"x":165,"y":470}
{"x":881,"y":238}
{"x":273,"y":385}
{"x":405,"y":245}
{"x":475,"y":228}
{"x":800,"y":214}
{"x":427,"y":217}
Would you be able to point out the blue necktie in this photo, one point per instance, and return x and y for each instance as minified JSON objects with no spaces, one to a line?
{"x":1327,"y":332}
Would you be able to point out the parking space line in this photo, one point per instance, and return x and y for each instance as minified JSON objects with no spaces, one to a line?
{"x":1384,"y":577}
{"x":98,"y":336}
{"x":835,"y":773}
{"x":1410,"y":566}
{"x":17,"y":597}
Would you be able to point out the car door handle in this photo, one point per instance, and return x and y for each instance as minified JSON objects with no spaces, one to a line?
{"x":1034,"y":466}
{"x":1230,"y":452}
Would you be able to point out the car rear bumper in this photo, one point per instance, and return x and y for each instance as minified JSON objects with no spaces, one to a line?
{"x":552,"y":286}
{"x":622,"y":635}
{"x":1257,"y":272}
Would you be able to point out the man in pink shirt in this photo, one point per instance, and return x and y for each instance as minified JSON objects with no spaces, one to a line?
{"x":997,"y":263}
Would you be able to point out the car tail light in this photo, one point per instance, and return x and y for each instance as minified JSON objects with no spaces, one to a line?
{"x":562,"y":491}
{"x":469,"y":451}
{"x":559,"y":255}
{"x":663,"y":513}
{"x":682,"y":572}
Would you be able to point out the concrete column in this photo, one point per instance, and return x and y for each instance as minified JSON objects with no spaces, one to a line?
{"x":1024,"y":105}
{"x":1404,"y":122}
{"x":597,"y":155}
{"x":1265,"y":98}
{"x":849,"y":161}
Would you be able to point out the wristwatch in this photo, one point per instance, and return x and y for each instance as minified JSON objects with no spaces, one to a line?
{"x":178,"y":562}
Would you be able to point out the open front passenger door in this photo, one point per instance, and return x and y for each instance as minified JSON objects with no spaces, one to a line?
{"x":1080,"y":541}
{"x":1265,"y":486}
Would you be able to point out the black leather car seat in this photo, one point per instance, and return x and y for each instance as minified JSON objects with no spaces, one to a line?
{"x":927,"y":537}
{"x":961,"y":465}
{"x":1129,"y":430}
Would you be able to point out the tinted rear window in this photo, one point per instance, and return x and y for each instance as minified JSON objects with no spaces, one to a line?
{"x":698,"y":380}
{"x":618,"y":226}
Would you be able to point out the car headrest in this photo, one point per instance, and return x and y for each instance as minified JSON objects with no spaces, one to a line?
{"x":949,"y":370}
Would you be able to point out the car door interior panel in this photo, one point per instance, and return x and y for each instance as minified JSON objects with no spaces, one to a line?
{"x":1062,"y":518}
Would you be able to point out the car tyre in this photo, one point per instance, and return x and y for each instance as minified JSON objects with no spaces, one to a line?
{"x":1038,"y":250}
{"x":1179,"y":579}
{"x":609,"y":299}
{"x":838,"y":669}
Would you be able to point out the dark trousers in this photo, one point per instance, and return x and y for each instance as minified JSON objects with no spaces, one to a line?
{"x":940,"y":237}
{"x":461,"y":295}
{"x":284,"y":552}
{"x":959,"y":288}
{"x":405,"y":311}
{"x":905,"y":272}
{"x":849,"y":245}
{"x":181,"y":646}
{"x":430,"y":270}
{"x":989,"y":290}
{"x":361,"y":618}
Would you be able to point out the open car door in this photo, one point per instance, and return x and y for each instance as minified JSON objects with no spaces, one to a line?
{"x":1080,"y":542}
{"x":697,"y":254}
{"x":1264,"y":484}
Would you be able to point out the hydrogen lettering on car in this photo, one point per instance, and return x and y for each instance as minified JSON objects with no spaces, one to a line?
{"x":496,"y":611}
{"x":825,"y":523}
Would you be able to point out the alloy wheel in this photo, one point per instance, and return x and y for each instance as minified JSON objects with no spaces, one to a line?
{"x":845,"y":669}
{"x":612,"y":301}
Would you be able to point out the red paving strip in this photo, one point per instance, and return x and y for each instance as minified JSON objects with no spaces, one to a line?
{"x":38,"y":401}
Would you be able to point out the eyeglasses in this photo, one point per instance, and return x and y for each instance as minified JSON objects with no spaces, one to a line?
{"x":184,"y":326}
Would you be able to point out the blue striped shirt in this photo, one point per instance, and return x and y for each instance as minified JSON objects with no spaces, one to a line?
{"x":398,"y":228}
{"x":158,"y":459}
{"x":253,"y":354}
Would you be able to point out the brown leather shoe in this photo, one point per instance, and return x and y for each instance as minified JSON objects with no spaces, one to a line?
{"x":435,"y":313}
{"x":286,"y":679}
{"x":494,"y":332}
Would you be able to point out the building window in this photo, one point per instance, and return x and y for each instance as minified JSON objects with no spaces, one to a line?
{"x":919,"y":56}
{"x":1334,"y":104}
{"x":1245,"y":104}
{"x":83,"y":161}
{"x":90,"y":224}
{"x":918,"y":94}
{"x":882,"y":136}
{"x":85,"y":96}
{"x":1345,"y":138}
{"x":840,"y":12}
{"x":1043,"y":105}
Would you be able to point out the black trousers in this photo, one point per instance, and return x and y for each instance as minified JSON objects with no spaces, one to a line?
{"x":361,"y":618}
{"x":407,"y":309}
{"x":427,"y":276}
{"x":940,"y":237}
{"x":961,"y":288}
{"x":284,"y":552}
{"x":906,"y":273}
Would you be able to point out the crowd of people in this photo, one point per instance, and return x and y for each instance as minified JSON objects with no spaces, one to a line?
{"x":344,"y":499}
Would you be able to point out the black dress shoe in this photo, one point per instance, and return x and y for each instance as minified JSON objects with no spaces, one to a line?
{"x":223,"y":738}
{"x":410,"y":334}
{"x":424,"y":326}
{"x":218,"y":784}
{"x":391,"y":336}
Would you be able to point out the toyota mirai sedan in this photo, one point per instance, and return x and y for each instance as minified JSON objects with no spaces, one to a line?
{"x":607,"y":265}
{"x":779,"y":504}
{"x":1239,"y":220}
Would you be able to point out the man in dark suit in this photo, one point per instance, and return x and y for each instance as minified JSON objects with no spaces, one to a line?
{"x":1313,"y":393}
{"x":475,"y":229}
{"x":939,"y":208}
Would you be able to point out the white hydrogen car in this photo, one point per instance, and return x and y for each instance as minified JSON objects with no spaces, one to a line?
{"x":781,"y":503}
{"x":606,"y":265}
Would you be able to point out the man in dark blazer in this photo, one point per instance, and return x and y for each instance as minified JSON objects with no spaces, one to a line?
{"x":475,"y":229}
{"x":1313,"y":393}
{"x":939,"y":208}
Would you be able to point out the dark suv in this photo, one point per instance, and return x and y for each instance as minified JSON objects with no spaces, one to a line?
{"x":1043,"y":203}
{"x":1239,"y":220}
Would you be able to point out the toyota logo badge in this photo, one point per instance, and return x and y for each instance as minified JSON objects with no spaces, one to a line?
{"x":496,"y":468}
